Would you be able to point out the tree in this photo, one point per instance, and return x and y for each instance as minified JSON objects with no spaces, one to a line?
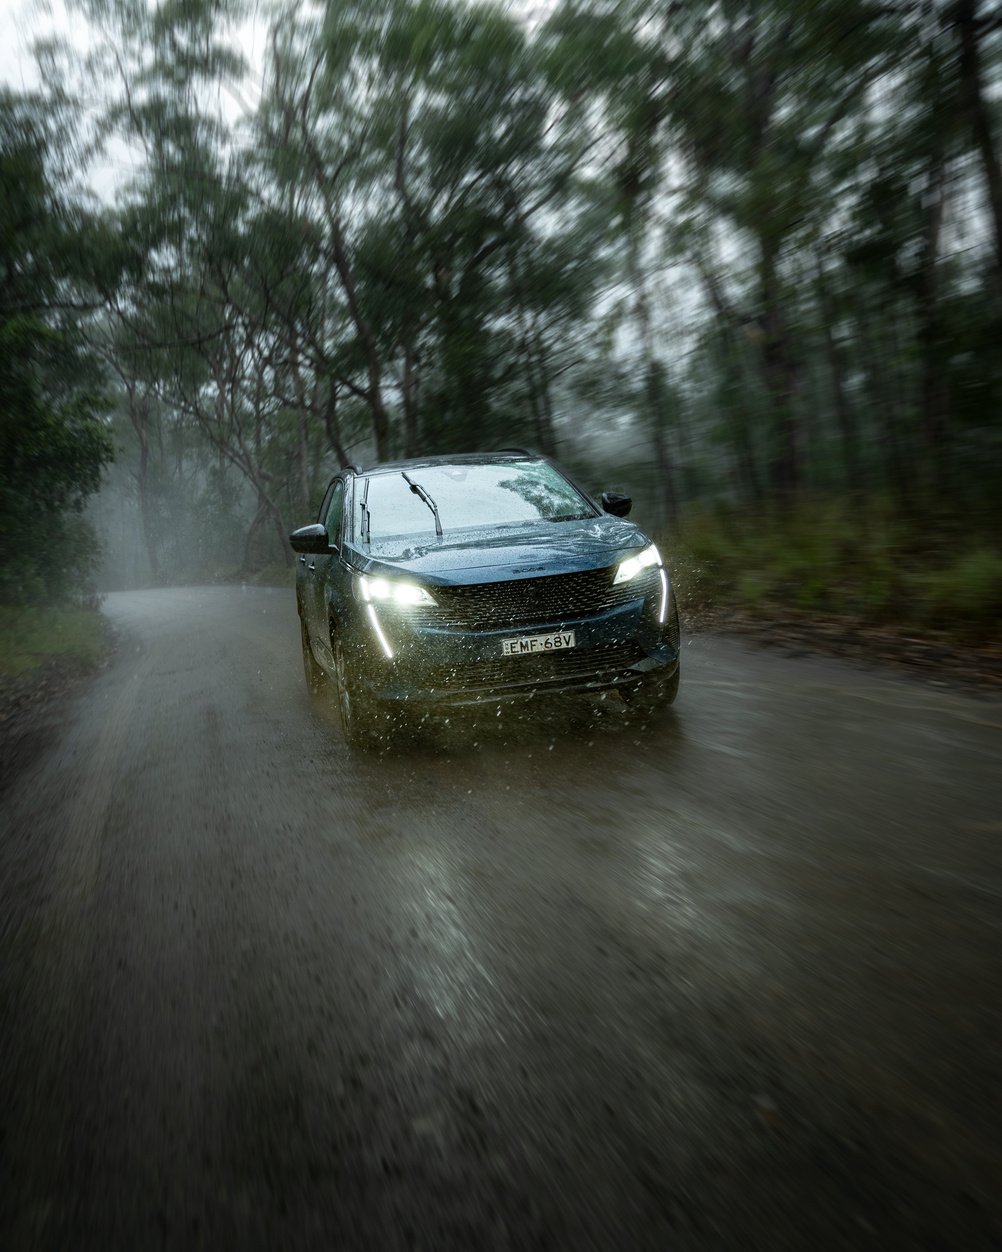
{"x":53,"y":437}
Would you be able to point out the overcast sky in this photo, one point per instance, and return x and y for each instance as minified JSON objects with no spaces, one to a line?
{"x":24,"y":21}
{"x":16,"y":66}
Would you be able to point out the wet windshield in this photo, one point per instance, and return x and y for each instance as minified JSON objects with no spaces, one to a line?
{"x":499,"y":494}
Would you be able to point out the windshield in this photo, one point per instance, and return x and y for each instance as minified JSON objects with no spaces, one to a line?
{"x":503,"y":493}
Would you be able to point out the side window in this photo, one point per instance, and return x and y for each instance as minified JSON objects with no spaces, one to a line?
{"x":334,"y":510}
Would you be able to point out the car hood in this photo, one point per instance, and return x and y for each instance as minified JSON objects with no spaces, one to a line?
{"x":479,"y":556}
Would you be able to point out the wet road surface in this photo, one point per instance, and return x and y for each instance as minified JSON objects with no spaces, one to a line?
{"x":734,"y":981}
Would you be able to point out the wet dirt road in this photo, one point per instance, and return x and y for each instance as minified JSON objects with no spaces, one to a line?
{"x":732,"y":982}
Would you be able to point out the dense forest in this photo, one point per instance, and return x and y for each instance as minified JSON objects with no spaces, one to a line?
{"x":742,"y":258}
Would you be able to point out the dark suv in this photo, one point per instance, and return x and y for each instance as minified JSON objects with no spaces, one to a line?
{"x":449,"y":581}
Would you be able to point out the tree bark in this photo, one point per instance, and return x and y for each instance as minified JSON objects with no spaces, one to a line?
{"x":729,"y":321}
{"x":333,"y":428}
{"x":780,"y":374}
{"x":138,"y":412}
{"x":933,"y":386}
{"x":882,"y":383}
{"x":965,"y":17}
{"x":302,"y":431}
{"x":667,"y":497}
{"x":844,"y":415}
{"x":408,"y":390}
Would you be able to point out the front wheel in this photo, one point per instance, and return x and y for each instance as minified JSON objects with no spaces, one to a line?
{"x":647,"y":700}
{"x":316,"y":679}
{"x":355,"y":710}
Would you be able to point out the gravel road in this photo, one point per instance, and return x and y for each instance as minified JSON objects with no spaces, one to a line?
{"x":540,"y":982}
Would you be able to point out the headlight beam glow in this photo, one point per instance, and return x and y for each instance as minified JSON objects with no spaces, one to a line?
{"x":634,"y":565}
{"x":390,"y":591}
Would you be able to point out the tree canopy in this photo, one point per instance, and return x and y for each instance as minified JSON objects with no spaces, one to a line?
{"x":739,"y":252}
{"x":53,"y":440}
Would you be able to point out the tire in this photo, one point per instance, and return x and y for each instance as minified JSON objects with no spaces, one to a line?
{"x":355,"y":711}
{"x":648,"y":700}
{"x":316,"y":679}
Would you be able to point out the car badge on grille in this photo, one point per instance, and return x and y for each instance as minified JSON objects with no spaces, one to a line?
{"x":528,"y":569}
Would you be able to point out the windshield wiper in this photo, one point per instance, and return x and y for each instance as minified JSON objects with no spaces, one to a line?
{"x":420,"y":491}
{"x":366,"y":515}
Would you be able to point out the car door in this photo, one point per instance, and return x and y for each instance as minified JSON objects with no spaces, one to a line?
{"x":320,"y":568}
{"x":306,"y":567}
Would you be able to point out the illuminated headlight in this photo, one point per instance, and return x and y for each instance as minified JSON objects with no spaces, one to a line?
{"x":389,"y":591}
{"x":634,"y":565}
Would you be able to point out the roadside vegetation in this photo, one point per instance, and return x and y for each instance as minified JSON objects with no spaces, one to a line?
{"x":742,"y":260}
{"x":826,"y":560}
{"x":55,"y":437}
{"x":34,"y":636}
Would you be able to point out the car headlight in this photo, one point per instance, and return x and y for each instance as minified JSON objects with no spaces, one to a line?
{"x":390,"y":591}
{"x":636,"y":564}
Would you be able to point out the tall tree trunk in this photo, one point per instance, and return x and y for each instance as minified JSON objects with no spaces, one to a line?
{"x":933,"y":387}
{"x":147,"y":511}
{"x":409,"y":396}
{"x":844,"y":415}
{"x":367,"y":339}
{"x":303,"y":464}
{"x":535,"y":363}
{"x":260,"y":514}
{"x":781,"y":381}
{"x":333,"y":428}
{"x":667,"y":496}
{"x":302,"y":431}
{"x":966,"y":17}
{"x":539,"y":393}
{"x":728,"y":324}
{"x":138,"y":409}
{"x":884,"y":404}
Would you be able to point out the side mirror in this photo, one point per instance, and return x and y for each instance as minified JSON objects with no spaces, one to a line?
{"x":311,"y":540}
{"x":616,"y":504}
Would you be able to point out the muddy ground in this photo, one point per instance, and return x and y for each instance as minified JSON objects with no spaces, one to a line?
{"x":537,"y":981}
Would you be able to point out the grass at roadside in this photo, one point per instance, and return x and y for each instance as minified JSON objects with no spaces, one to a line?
{"x":31,"y":637}
{"x":828,"y":559}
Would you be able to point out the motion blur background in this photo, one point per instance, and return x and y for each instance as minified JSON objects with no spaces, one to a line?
{"x":729,"y":980}
{"x":742,"y":259}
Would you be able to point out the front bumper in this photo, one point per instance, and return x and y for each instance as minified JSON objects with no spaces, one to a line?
{"x":435,"y":666}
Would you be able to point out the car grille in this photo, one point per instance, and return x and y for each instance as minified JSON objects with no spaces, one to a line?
{"x":601,"y":664}
{"x":519,"y":602}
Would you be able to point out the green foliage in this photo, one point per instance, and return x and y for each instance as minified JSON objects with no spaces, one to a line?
{"x":32,"y":637}
{"x":965,"y":595}
{"x":53,"y":440}
{"x":742,"y":248}
{"x":830,"y":558}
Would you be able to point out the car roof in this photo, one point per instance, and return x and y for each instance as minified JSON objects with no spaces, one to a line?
{"x":458,"y":458}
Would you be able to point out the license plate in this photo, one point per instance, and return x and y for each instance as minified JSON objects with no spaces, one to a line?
{"x":528,"y":644}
